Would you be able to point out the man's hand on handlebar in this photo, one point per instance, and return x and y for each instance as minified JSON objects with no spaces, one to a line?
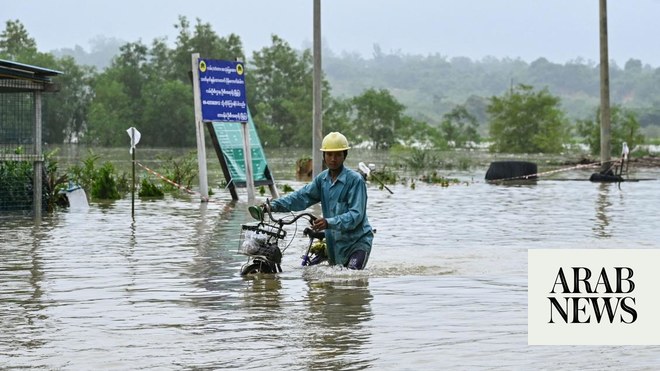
{"x":266,"y":207}
{"x":320,"y":224}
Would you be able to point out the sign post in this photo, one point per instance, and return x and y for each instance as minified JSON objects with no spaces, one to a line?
{"x":220,"y":96}
{"x":135,"y":139}
{"x":199,"y":130}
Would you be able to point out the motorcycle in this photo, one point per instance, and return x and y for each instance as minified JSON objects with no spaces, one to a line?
{"x":262,"y":241}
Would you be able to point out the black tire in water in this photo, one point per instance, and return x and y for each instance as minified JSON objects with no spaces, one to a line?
{"x":608,"y":177}
{"x":258,"y":267}
{"x":511,"y":170}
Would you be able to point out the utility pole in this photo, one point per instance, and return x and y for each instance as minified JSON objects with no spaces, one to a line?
{"x":317,"y":123}
{"x":605,"y":125}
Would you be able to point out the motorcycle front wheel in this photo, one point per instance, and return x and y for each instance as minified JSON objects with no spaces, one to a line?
{"x":258,"y":267}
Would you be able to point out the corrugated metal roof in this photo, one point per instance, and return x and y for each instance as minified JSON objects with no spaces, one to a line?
{"x":15,"y":70}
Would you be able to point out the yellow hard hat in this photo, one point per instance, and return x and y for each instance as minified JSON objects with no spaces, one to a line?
{"x":334,"y":142}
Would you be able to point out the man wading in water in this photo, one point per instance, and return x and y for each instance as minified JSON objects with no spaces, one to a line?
{"x":342,"y":193}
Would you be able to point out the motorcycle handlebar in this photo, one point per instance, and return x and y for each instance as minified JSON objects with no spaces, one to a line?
{"x":309,"y":232}
{"x":281,"y":221}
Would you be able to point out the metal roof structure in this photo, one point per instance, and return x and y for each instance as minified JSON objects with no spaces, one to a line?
{"x":16,"y":76}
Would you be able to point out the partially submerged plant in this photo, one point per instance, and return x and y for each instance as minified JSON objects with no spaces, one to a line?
{"x":54,"y":185}
{"x":434,"y":178}
{"x":104,"y":185}
{"x":15,"y":183}
{"x":150,"y":190}
{"x":84,"y":175}
{"x":99,"y":183}
{"x":181,"y":171}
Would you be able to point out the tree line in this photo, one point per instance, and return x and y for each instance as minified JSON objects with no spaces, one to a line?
{"x":437,"y":103}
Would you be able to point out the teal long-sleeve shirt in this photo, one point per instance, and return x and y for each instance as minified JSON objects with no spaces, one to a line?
{"x":344,"y":205}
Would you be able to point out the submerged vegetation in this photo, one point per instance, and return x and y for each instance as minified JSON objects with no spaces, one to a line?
{"x":150,"y":190}
{"x":54,"y":184}
{"x":101,"y":182}
{"x":434,"y":178}
{"x":181,"y":170}
{"x":15,"y":184}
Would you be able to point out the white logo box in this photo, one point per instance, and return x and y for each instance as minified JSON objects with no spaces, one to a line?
{"x":626,"y":279}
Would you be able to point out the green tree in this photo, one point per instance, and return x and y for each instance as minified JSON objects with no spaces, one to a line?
{"x":378,"y":116}
{"x":624,"y":127}
{"x":150,"y":88}
{"x":118,"y":102}
{"x":67,"y":110}
{"x":64,"y":111}
{"x":337,"y":116}
{"x":109,"y":113}
{"x":413,"y":133}
{"x":525,"y":121}
{"x":203,"y":40}
{"x":279,"y":89}
{"x":15,"y":42}
{"x":132,"y":68}
{"x":459,"y":126}
{"x":168,"y":116}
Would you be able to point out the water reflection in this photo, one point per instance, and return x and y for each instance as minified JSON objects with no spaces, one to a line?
{"x":214,"y":263}
{"x":22,"y":291}
{"x":603,"y":204}
{"x":337,"y":324}
{"x":262,"y":295}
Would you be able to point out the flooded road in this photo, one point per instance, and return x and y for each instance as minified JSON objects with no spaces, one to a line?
{"x":445,"y":287}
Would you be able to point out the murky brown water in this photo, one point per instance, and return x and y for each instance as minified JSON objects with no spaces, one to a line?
{"x":445,"y":286}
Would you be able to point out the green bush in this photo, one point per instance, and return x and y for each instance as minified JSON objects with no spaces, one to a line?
{"x":84,"y":174}
{"x":104,"y":186}
{"x":15,"y":185}
{"x":148,"y":189}
{"x":182,"y":171}
{"x":54,"y":185}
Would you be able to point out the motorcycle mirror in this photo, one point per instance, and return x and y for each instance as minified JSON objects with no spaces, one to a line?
{"x":364,"y":168}
{"x":256,"y":212}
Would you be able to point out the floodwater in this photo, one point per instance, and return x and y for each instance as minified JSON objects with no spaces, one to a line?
{"x":445,"y":288}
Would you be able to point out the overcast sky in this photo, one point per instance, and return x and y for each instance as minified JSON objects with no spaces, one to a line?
{"x":559,"y":30}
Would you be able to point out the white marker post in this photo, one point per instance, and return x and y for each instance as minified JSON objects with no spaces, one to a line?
{"x":199,"y":130}
{"x":247,"y":151}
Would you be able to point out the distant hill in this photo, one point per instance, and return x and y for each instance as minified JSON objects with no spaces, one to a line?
{"x":102,"y":51}
{"x":431,"y":85}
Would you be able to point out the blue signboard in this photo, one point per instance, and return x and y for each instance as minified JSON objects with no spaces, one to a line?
{"x":222,"y":90}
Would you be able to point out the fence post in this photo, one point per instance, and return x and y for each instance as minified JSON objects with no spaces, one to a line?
{"x":37,"y":181}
